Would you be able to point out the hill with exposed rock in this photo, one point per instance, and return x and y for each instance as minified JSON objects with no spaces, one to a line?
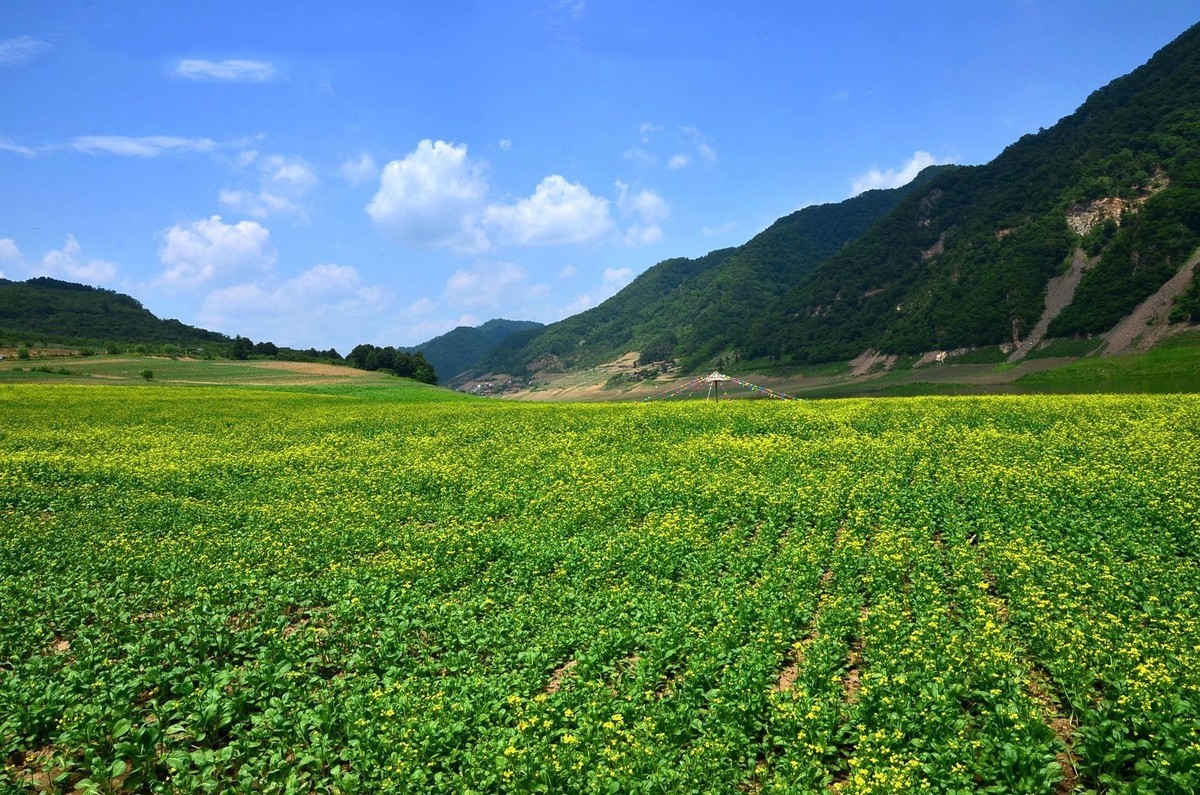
{"x":1068,"y":232}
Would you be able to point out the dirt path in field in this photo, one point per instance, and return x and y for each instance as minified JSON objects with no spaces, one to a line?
{"x":786,"y":679}
{"x":1041,"y":689}
{"x":1147,"y":323}
{"x":1060,"y":291}
{"x":557,"y":679}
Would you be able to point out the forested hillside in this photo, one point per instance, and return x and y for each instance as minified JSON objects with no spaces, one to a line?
{"x":63,"y":311}
{"x":960,"y":257}
{"x":686,"y":308}
{"x":965,"y":260}
{"x":464,"y":347}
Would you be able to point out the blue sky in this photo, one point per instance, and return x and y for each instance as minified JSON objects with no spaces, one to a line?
{"x":321,"y":174}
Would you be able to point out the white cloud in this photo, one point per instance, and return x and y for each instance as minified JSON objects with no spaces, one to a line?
{"x":290,"y":173}
{"x":144,"y":146}
{"x":558,"y":212}
{"x":568,"y":272}
{"x":361,"y":170}
{"x":580,"y":304}
{"x":612,"y":281}
{"x":20,"y":50}
{"x":648,"y":128}
{"x":431,"y":198}
{"x":892,"y":178}
{"x":68,"y":263}
{"x":424,"y":330}
{"x":437,"y":197}
{"x":307,"y":310}
{"x":425,"y":319}
{"x":640,"y":156}
{"x":698,"y":140}
{"x":711,"y":231}
{"x":615,"y":279}
{"x":506,"y":144}
{"x":230,"y":70}
{"x":257,"y":205}
{"x":422,"y":306}
{"x":210,"y":250}
{"x":647,"y":209}
{"x":65,"y":263}
{"x":283,"y":182}
{"x":485,"y":284}
{"x":685,"y":137}
{"x":10,"y":255}
{"x":8,"y":146}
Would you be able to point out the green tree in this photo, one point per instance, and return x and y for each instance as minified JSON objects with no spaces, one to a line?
{"x":242,"y":348}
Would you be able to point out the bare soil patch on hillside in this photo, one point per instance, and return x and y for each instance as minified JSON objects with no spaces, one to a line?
{"x":1060,"y":291}
{"x":1147,"y":323}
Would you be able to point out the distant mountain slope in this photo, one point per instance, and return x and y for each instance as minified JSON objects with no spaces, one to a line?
{"x":965,"y":260}
{"x":960,"y":257}
{"x":464,"y":347}
{"x":687,"y":308}
{"x":63,"y":311}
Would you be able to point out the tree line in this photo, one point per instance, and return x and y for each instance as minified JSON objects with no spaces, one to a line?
{"x":365,"y":357}
{"x":399,"y":362}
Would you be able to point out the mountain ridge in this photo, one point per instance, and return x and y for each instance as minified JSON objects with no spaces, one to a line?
{"x":68,"y":311}
{"x":682,"y":308}
{"x":967,"y":261}
{"x":962,"y":258}
{"x":463,"y":347}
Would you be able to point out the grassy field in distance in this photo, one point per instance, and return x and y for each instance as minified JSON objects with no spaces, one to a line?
{"x":1172,"y":366}
{"x":128,"y":368}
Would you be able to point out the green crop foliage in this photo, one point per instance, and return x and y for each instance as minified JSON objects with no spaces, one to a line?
{"x":246,"y":590}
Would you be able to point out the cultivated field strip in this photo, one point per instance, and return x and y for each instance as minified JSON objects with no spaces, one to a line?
{"x":238,"y":590}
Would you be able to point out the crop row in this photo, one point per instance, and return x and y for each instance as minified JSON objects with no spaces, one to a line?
{"x":236,"y":590}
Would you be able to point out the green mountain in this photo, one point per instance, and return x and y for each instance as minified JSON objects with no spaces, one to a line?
{"x":686,"y":308}
{"x":960,"y":257}
{"x":58,"y":311}
{"x":464,"y":347}
{"x":966,"y":260}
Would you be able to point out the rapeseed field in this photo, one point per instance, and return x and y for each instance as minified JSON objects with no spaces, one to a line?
{"x":239,"y":590}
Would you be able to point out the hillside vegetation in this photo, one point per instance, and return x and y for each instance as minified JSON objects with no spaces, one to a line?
{"x":66,"y":312}
{"x":965,"y":261}
{"x":465,"y":347}
{"x":46,"y":317}
{"x":686,"y":308}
